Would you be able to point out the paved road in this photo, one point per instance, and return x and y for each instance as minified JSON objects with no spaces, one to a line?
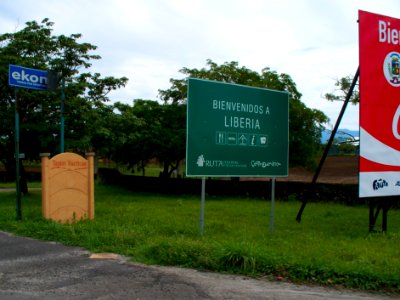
{"x":31,"y":269}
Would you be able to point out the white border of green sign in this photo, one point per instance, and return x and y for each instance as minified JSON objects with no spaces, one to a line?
{"x":236,"y":131}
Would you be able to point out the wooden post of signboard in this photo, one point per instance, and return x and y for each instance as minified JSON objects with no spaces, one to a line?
{"x":45,"y":183}
{"x":90,"y":158}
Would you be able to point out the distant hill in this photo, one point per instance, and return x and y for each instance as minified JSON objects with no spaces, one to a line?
{"x":341,"y":135}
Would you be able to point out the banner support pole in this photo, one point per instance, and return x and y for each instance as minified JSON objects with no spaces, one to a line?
{"x":328,"y":146}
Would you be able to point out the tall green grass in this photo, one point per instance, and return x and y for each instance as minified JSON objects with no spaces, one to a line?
{"x":331,"y":246}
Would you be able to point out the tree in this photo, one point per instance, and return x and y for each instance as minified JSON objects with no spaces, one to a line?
{"x":172,"y":138}
{"x":149,"y":130}
{"x":305,"y":124}
{"x":135,"y":144}
{"x":36,"y":47}
{"x":342,"y":89}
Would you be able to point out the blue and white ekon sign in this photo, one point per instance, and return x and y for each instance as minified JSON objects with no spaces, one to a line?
{"x":27,"y":78}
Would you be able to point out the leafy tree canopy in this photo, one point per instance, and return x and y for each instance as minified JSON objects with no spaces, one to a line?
{"x":151,"y":131}
{"x":342,"y":87}
{"x":230,"y":72}
{"x":35,"y":46}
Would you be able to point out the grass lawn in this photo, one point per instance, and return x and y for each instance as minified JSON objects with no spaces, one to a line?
{"x":331,"y":246}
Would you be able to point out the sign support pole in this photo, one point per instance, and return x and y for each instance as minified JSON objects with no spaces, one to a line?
{"x":62,"y":115}
{"x":203,"y":204}
{"x":328,"y":146}
{"x":17,"y":175}
{"x":272,"y":215}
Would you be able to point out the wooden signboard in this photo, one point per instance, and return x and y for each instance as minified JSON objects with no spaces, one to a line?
{"x":68,"y":187}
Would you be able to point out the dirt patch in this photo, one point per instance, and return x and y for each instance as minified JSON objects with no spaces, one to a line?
{"x":336,"y":169}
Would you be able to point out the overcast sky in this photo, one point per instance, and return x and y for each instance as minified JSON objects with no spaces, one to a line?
{"x":149,"y":41}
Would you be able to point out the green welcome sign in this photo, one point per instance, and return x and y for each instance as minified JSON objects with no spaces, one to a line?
{"x":235,"y":130}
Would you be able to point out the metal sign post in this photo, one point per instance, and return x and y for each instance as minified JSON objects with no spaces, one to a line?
{"x":17,"y":167}
{"x":203,"y":204}
{"x":62,"y":115}
{"x":272,"y":215}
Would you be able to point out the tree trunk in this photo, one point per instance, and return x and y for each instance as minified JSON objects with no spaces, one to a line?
{"x":165,"y":173}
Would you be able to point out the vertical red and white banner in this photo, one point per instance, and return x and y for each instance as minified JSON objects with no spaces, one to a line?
{"x":379,"y":41}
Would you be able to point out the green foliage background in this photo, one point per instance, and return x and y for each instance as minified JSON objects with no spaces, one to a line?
{"x":130,"y":134}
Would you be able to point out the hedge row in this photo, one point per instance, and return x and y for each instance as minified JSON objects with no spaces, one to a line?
{"x":284,"y":190}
